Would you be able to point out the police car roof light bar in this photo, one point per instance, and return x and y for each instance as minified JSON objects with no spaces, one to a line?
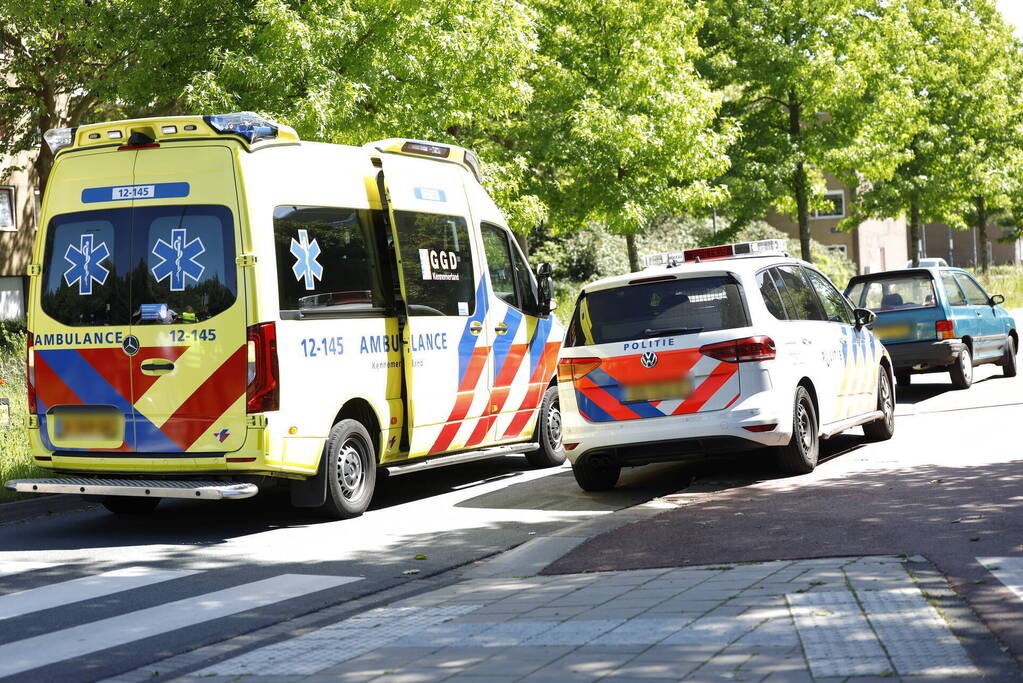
{"x":250,"y":126}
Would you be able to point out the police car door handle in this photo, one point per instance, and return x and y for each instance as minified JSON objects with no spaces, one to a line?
{"x":501,"y":328}
{"x":475,"y":327}
{"x":807,"y":342}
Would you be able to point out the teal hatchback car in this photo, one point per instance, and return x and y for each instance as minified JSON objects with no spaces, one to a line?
{"x":937,"y":320}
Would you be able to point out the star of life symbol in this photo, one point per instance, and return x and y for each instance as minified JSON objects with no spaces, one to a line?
{"x":85,"y":264}
{"x":178,"y":259}
{"x":306,"y":266}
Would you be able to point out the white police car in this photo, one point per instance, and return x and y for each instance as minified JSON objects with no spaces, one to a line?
{"x":717,"y":350}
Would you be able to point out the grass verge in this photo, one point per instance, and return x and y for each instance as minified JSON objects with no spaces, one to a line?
{"x":1004,"y":280}
{"x":15,"y":459}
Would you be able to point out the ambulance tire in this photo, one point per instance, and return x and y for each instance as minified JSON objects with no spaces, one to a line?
{"x":596,"y":478}
{"x":548,"y":432}
{"x":351,"y":470}
{"x":799,"y":455}
{"x":883,"y":429}
{"x":130,"y":505}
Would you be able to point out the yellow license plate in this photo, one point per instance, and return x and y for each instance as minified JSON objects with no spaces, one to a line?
{"x":658,"y":391}
{"x":87,"y":427}
{"x":892,"y":331}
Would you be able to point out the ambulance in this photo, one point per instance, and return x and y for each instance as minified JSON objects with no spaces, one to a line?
{"x":217,"y":306}
{"x":718,"y":350}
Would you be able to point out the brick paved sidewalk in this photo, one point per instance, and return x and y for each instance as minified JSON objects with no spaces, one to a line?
{"x":812,"y":620}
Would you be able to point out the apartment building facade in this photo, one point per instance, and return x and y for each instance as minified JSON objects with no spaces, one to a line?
{"x":19,"y":211}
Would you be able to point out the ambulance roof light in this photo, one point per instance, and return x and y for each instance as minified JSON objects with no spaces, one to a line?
{"x":252,"y":127}
{"x":429,"y":148}
{"x":59,"y":138}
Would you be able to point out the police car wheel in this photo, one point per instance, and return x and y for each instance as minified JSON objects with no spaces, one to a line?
{"x":594,"y":478}
{"x":350,"y":464}
{"x":883,"y":429}
{"x":1009,"y":358}
{"x":548,"y":432}
{"x":799,"y":456}
{"x":962,"y":371}
{"x":130,"y":505}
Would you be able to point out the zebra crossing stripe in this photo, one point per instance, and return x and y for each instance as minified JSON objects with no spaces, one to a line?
{"x":1008,"y":570}
{"x":77,"y":641}
{"x":86,"y":588}
{"x":15,"y":567}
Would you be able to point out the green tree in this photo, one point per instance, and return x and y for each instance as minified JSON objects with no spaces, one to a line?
{"x":620,"y":128}
{"x":815,"y":88}
{"x":68,"y":62}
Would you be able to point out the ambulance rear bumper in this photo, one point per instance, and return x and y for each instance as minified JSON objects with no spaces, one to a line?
{"x":156,"y":488}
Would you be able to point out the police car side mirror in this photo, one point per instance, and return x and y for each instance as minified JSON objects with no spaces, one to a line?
{"x":864,"y":317}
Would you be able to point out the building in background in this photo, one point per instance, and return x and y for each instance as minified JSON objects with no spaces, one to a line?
{"x":19,"y":209}
{"x":959,"y":247}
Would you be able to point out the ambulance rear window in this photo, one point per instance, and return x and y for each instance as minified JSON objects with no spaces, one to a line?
{"x":658,"y":309}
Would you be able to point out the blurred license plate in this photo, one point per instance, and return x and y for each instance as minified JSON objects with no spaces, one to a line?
{"x":658,"y":391}
{"x":91,"y":426}
{"x":892,"y":331}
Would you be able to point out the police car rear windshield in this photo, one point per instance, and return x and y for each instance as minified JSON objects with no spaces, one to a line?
{"x":658,"y":309}
{"x":894,"y":292}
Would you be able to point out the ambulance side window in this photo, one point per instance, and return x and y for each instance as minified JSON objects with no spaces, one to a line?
{"x":502,"y":273}
{"x":327,"y":262}
{"x":436,"y":261}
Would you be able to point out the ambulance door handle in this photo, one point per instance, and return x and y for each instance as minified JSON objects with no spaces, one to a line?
{"x":475,"y":327}
{"x":157,"y":367}
{"x":501,"y":328}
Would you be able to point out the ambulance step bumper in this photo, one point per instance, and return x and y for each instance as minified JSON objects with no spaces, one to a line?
{"x":154,"y":488}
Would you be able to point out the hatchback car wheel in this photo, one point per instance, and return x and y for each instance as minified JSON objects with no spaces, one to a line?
{"x":962,"y":371}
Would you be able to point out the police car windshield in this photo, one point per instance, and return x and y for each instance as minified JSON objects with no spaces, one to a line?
{"x":656,"y":309}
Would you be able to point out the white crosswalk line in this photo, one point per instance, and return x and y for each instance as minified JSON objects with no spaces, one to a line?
{"x":1008,"y":570}
{"x":86,"y":588}
{"x":18,"y":567}
{"x":77,"y":641}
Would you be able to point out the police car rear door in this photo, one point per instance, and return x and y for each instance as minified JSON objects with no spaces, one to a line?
{"x":188,"y":312}
{"x":447,"y":337}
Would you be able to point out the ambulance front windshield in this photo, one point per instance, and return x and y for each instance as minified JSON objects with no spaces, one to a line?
{"x":658,"y":309}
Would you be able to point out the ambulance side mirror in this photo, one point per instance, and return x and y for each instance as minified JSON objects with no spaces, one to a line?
{"x":546,"y":304}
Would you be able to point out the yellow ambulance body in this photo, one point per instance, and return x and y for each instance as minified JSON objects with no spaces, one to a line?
{"x":216,"y":305}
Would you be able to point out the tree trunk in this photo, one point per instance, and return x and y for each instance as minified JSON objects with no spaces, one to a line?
{"x":799,"y":181}
{"x":523,"y":241}
{"x":630,"y":245}
{"x":982,"y":232}
{"x":914,"y":233}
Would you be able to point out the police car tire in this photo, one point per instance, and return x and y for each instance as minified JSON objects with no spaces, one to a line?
{"x":962,"y":371}
{"x":1009,"y":358}
{"x":883,"y":429}
{"x":548,"y":455}
{"x":130,"y":505}
{"x":348,"y":439}
{"x":592,"y":478}
{"x":794,"y":457}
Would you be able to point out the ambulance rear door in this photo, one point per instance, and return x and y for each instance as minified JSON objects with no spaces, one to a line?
{"x":447,"y":335}
{"x":188,"y":311}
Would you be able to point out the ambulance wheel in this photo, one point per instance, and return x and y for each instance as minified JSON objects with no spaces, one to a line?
{"x":548,"y":431}
{"x":1009,"y":358}
{"x":596,"y":478}
{"x":351,"y":470}
{"x":883,"y":429}
{"x":130,"y":505}
{"x":962,"y":372}
{"x":799,"y":456}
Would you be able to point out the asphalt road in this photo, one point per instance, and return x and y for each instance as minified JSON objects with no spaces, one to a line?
{"x":948,"y":486}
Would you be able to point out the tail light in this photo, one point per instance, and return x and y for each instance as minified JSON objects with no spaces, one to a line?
{"x":571,"y":370}
{"x":944,"y":329}
{"x":741,"y":350}
{"x":30,"y":373}
{"x":263,"y":390}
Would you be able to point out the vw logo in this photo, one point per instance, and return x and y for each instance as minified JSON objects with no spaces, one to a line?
{"x":130,"y":345}
{"x":649,"y":359}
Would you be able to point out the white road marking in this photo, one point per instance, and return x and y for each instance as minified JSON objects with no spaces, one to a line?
{"x":16,"y":567}
{"x":837,"y":639}
{"x":86,"y":588}
{"x":1008,"y":570}
{"x":77,"y":641}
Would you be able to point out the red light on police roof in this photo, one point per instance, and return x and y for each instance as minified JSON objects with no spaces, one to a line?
{"x":707,"y":253}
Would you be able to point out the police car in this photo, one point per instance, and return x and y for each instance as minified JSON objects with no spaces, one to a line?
{"x":717,"y":350}
{"x":217,"y":305}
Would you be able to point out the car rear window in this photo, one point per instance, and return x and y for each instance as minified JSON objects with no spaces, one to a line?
{"x":893,"y":293}
{"x":658,"y":309}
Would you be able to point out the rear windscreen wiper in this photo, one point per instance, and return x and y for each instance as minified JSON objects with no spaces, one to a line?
{"x":671,"y":331}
